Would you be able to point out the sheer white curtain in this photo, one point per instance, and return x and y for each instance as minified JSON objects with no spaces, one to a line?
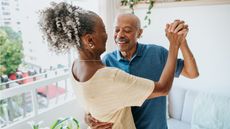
{"x":108,"y":9}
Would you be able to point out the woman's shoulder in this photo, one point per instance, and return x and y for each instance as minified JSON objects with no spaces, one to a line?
{"x":108,"y":71}
{"x":102,"y":74}
{"x":114,"y":71}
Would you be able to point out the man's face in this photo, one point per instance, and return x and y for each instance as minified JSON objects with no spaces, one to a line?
{"x":126,"y":33}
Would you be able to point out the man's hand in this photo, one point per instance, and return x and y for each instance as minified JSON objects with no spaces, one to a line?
{"x":176,"y":32}
{"x":95,"y":124}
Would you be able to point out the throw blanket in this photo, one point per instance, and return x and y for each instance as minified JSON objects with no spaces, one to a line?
{"x":211,"y":112}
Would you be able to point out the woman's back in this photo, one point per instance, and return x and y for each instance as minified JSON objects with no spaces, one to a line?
{"x":109,"y":93}
{"x":83,"y":70}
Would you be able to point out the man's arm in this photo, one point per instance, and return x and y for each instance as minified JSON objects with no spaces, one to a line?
{"x":95,"y":124}
{"x":190,"y":69}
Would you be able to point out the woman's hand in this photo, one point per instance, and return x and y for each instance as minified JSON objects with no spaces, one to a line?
{"x":176,"y":32}
{"x":95,"y":124}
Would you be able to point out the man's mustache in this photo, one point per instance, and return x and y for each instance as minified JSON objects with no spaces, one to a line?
{"x":125,"y":40}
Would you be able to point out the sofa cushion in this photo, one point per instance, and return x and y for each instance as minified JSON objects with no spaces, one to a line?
{"x":211,"y":112}
{"x":176,"y":124}
{"x":188,"y":105}
{"x":176,"y":102}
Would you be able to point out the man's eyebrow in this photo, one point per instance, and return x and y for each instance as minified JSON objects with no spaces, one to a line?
{"x":129,"y":27}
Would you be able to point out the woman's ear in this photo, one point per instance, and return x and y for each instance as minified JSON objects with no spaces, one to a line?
{"x":88,"y":41}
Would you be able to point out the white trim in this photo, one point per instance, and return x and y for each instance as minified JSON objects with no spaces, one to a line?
{"x":178,"y":4}
{"x":31,"y":117}
{"x":30,"y":86}
{"x":34,"y":76}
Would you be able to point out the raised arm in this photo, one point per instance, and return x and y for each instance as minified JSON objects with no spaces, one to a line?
{"x":190,"y":69}
{"x":175,"y":37}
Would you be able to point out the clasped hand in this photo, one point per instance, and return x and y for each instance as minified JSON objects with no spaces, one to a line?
{"x":176,"y":32}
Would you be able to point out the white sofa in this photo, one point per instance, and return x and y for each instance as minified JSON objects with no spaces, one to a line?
{"x":180,"y":108}
{"x":189,"y":109}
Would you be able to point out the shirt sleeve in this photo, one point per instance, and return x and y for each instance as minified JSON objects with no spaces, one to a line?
{"x":103,"y":59}
{"x":132,"y":90}
{"x":179,"y":65}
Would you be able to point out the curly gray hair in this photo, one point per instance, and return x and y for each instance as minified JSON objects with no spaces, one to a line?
{"x":63,"y":25}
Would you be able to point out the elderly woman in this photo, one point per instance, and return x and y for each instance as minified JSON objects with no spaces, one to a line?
{"x":106,"y":93}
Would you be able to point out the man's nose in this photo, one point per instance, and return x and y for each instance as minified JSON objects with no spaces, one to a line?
{"x":120,"y":34}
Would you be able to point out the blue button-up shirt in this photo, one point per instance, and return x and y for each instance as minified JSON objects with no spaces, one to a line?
{"x":147,"y":62}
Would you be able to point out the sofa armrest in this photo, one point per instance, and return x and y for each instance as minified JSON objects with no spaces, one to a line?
{"x":176,"y":102}
{"x":190,"y":97}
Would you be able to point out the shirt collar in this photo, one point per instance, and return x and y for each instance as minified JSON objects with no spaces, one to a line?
{"x":137,"y":53}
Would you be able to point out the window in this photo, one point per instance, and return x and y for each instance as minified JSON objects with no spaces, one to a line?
{"x":38,"y":63}
{"x":6,"y":13}
{"x":5,"y":3}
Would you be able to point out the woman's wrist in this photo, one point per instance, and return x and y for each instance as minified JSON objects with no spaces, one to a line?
{"x":174,"y":47}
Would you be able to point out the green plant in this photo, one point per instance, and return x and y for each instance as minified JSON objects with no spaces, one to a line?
{"x":35,"y":125}
{"x":132,"y":3}
{"x":62,"y":123}
{"x":66,"y":123}
{"x":10,"y":50}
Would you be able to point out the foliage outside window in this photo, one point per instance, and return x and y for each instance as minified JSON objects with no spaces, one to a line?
{"x":10,"y":50}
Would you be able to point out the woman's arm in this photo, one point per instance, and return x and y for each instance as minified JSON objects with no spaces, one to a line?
{"x":175,"y":33}
{"x":163,"y":86}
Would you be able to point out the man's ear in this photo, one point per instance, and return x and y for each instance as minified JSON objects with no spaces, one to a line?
{"x":139,"y":33}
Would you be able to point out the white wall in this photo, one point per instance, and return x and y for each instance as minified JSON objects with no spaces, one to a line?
{"x":208,"y":38}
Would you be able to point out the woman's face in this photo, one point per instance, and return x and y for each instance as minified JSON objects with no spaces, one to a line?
{"x":100,"y":36}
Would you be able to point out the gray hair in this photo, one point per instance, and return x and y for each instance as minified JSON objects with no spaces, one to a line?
{"x":63,"y":25}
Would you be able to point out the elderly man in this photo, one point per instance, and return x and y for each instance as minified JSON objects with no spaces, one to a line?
{"x":147,"y":61}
